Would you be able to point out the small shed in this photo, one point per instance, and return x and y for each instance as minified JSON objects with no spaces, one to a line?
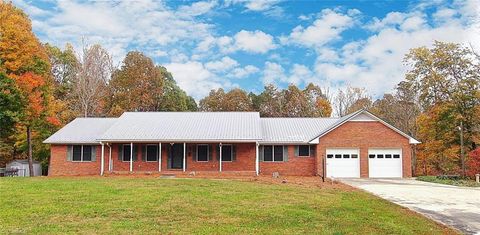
{"x":22,"y":166}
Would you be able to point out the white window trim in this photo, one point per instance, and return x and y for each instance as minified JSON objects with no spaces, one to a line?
{"x":81,"y":154}
{"x":123,"y":152}
{"x":273,"y":153}
{"x":309,"y":152}
{"x":146,"y":152}
{"x":208,"y":152}
{"x":231,"y":152}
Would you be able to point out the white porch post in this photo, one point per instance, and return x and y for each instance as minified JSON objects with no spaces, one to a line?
{"x":220,"y":159}
{"x":159,"y":156}
{"x":110,"y":163}
{"x":184,"y":155}
{"x":131,"y":157}
{"x":102,"y":163}
{"x":257,"y":165}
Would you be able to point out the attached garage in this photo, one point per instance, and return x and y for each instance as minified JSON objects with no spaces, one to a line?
{"x":343,"y":163}
{"x":385,"y":163}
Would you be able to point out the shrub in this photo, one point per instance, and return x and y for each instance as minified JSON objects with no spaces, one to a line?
{"x":473,"y":163}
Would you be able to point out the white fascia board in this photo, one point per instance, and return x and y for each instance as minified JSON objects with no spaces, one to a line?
{"x":72,"y":142}
{"x":315,"y":141}
{"x":176,"y":141}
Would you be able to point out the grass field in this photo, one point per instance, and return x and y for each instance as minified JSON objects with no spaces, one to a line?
{"x":200,"y":206}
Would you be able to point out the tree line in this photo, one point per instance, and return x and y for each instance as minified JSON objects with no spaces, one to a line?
{"x":43,"y":87}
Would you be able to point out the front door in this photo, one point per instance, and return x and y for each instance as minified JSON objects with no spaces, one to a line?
{"x":176,"y":157}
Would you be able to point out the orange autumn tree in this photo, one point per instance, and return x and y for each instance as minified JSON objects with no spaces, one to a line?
{"x":24,"y":59}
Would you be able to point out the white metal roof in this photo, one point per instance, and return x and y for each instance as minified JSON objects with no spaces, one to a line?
{"x":288,"y":130}
{"x":81,"y":131}
{"x":185,"y":126}
{"x":201,"y":127}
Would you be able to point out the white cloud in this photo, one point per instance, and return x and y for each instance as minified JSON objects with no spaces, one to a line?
{"x":197,"y":8}
{"x":273,"y":73}
{"x":225,"y":64}
{"x":255,"y":42}
{"x":30,"y":9}
{"x":195,"y":79}
{"x":326,"y":28}
{"x":244,"y":72}
{"x":376,"y":62}
{"x":255,"y":5}
{"x":125,"y":24}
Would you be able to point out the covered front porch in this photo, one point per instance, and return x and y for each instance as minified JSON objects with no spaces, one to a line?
{"x":179,"y":158}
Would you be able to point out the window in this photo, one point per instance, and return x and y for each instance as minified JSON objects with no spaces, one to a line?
{"x":278,"y":153}
{"x":396,"y":155}
{"x":304,"y":150}
{"x":268,"y":153}
{"x":388,"y":155}
{"x":346,"y":155}
{"x":202,"y":153}
{"x":371,"y":156}
{"x":126,"y":153}
{"x":273,"y":153}
{"x":379,"y":155}
{"x":329,"y":155}
{"x":227,"y":153}
{"x":354,"y":156}
{"x":87,"y":153}
{"x":77,"y":153}
{"x":152,"y":153}
{"x":82,"y":153}
{"x":338,"y":155}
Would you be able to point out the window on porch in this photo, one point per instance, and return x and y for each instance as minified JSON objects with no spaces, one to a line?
{"x":202,"y":153}
{"x":126,"y":153}
{"x":227,"y":153}
{"x":152,"y":153}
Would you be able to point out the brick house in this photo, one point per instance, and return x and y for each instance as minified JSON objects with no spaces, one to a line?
{"x":356,"y":145}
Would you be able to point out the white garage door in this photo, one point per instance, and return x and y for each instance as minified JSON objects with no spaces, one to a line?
{"x":385,"y":163}
{"x":343,"y":163}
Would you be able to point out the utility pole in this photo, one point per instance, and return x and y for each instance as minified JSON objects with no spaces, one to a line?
{"x":462,"y":154}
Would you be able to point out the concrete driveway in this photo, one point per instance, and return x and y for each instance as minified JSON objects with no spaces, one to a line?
{"x":458,"y":207}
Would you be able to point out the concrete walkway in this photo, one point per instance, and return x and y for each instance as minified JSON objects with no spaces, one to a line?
{"x":458,"y":207}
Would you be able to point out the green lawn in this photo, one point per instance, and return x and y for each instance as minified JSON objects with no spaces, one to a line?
{"x":199,"y":206}
{"x":460,"y":182}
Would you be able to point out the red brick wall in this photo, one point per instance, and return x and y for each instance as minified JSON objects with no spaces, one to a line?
{"x":60,"y":166}
{"x":294,"y":166}
{"x":138,"y":165}
{"x":364,"y":135}
{"x":245,"y":160}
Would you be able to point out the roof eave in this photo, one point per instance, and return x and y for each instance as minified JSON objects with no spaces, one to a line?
{"x":180,"y":140}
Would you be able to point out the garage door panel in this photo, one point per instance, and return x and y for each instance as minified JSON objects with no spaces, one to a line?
{"x":343,"y":163}
{"x":385,"y":163}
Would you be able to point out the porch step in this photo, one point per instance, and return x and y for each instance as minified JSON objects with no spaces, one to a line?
{"x":168,"y":176}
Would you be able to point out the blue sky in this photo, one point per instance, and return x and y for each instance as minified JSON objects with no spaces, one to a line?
{"x":247,"y":44}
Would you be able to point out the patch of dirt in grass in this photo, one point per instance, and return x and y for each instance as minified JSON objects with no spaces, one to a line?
{"x":303,"y":181}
